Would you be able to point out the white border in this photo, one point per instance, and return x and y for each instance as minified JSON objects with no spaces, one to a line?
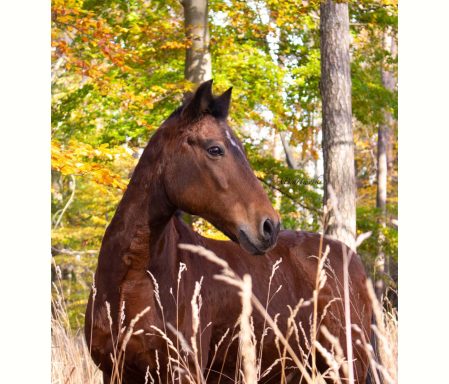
{"x":423,"y":191}
{"x":25,"y":196}
{"x":25,"y":191}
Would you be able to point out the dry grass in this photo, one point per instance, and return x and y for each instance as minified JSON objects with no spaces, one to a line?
{"x":70,"y":357}
{"x":71,"y":361}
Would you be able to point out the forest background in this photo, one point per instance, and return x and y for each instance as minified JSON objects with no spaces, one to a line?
{"x":119,"y":69}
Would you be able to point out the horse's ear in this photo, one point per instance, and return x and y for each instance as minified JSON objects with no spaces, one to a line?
{"x":221,"y":104}
{"x":199,"y":103}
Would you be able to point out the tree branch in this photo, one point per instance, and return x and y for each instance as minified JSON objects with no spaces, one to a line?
{"x":67,"y":204}
{"x":65,"y":251}
{"x":290,"y":197}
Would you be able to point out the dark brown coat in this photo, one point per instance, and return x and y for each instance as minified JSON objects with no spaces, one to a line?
{"x":178,"y":170}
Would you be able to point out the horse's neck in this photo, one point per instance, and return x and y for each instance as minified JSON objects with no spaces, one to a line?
{"x":137,"y":227}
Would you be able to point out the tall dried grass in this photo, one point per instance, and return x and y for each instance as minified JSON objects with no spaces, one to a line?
{"x":70,"y":358}
{"x":71,"y":362}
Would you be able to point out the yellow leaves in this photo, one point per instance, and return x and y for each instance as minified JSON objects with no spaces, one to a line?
{"x":158,"y":90}
{"x":65,"y":234}
{"x":74,"y":4}
{"x":259,"y":174}
{"x":141,"y":122}
{"x":135,"y":29}
{"x":206,"y":229}
{"x":175,"y":45}
{"x":82,"y":159}
{"x":65,"y":19}
{"x":393,"y":3}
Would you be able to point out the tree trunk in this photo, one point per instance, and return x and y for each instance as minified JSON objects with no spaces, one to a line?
{"x":198,"y":66}
{"x":288,"y":151}
{"x":384,"y":165}
{"x":382,"y":169}
{"x":389,"y":82}
{"x":338,"y":143}
{"x":381,"y":203}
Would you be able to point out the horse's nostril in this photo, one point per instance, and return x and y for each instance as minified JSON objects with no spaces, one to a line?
{"x":268,"y":228}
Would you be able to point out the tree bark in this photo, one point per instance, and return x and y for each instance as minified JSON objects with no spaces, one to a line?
{"x":381,"y":202}
{"x":198,"y":66}
{"x":198,"y":63}
{"x":382,"y":169}
{"x":288,"y":151}
{"x":389,"y":82}
{"x":338,"y":142}
{"x":384,"y":165}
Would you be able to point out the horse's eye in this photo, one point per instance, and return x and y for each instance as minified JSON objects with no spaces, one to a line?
{"x":215,"y":151}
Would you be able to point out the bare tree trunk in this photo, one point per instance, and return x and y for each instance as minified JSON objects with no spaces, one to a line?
{"x":276,"y":155}
{"x":389,"y":82}
{"x":384,"y":165}
{"x":338,"y":142}
{"x":381,"y":203}
{"x":198,"y":66}
{"x":288,"y":151}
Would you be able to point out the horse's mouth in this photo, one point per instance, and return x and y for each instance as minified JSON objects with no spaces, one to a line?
{"x":248,"y":245}
{"x":245,"y":241}
{"x":228,"y":234}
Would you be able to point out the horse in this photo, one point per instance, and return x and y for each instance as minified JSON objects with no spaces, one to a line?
{"x":144,"y":282}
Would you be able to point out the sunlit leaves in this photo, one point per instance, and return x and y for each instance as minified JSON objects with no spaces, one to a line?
{"x":83,"y":160}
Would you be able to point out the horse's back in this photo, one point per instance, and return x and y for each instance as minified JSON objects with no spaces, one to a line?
{"x":301,"y":249}
{"x":301,"y":252}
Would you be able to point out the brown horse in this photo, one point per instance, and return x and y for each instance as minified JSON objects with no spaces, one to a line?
{"x":195,"y":163}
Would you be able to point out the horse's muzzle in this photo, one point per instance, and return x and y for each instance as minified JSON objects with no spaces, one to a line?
{"x":261,"y":243}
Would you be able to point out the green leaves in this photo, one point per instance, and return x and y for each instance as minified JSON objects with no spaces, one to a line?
{"x":295,"y":194}
{"x":369,"y":220}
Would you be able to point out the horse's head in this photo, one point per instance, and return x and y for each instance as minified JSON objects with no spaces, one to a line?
{"x":206,"y":173}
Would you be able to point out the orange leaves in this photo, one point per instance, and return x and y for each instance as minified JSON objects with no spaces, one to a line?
{"x":82,"y":159}
{"x":96,"y":35}
{"x":61,"y":45}
{"x":104,"y":176}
